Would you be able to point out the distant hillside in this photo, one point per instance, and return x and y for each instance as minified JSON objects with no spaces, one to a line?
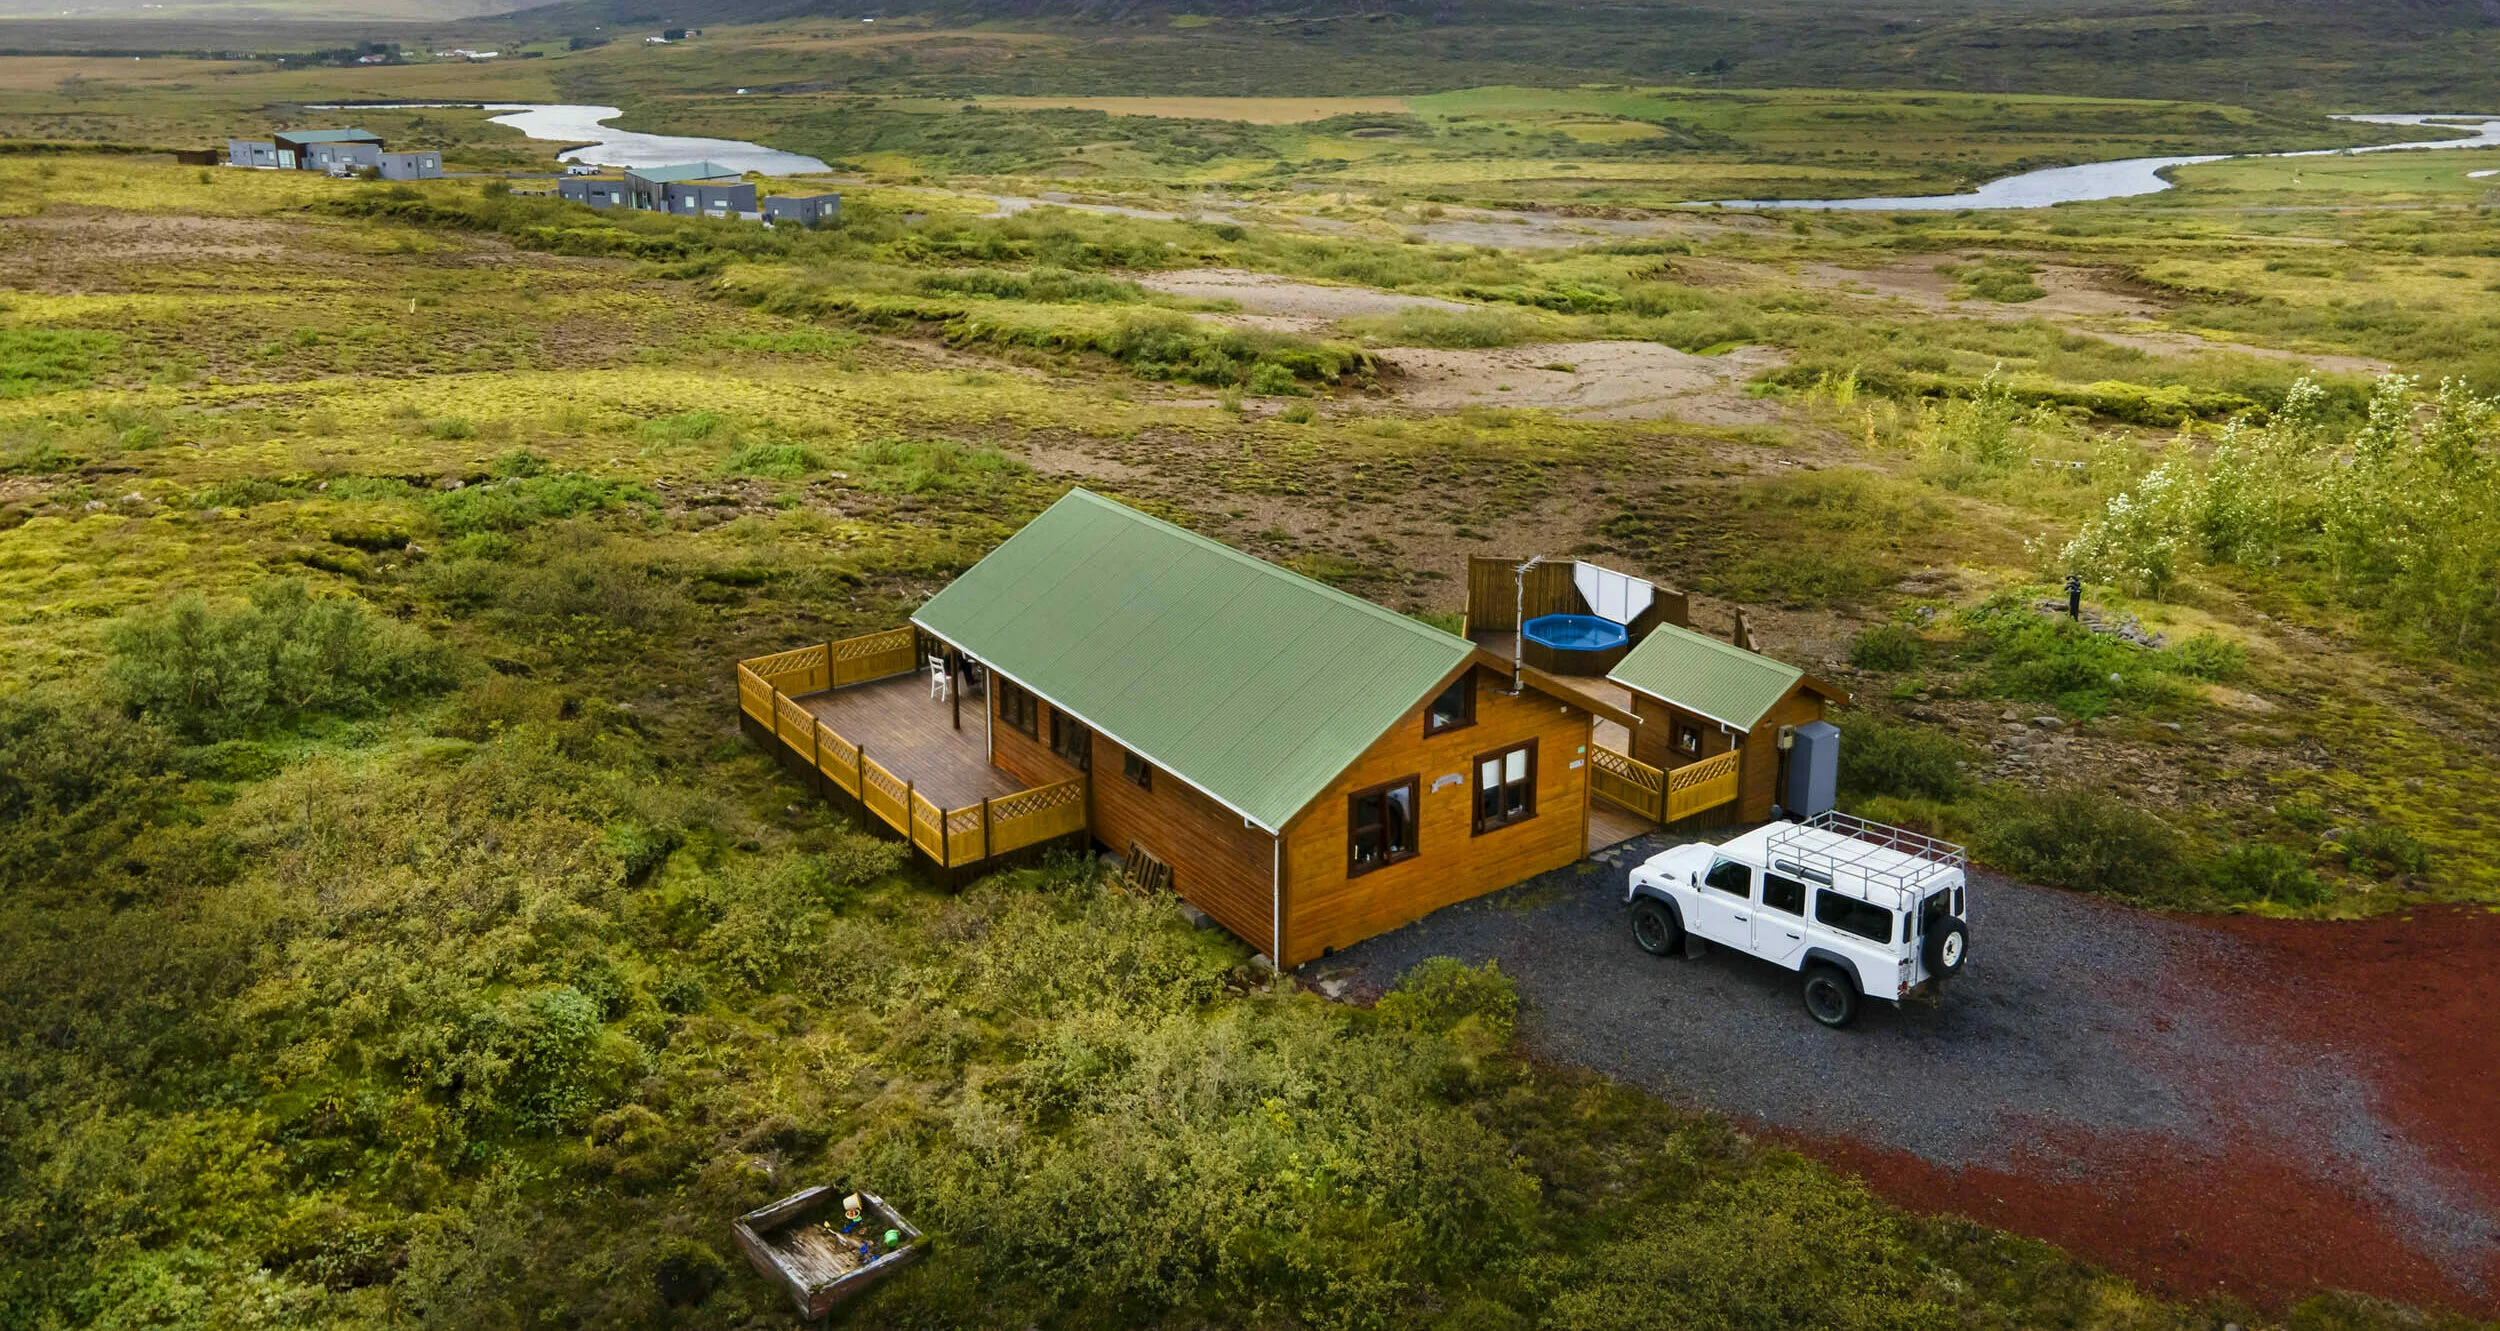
{"x":2291,"y":54}
{"x":2387,"y":53}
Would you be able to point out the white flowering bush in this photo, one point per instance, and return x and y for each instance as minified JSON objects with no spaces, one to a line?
{"x":2402,"y":513}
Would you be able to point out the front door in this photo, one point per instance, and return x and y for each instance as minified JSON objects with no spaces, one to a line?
{"x":1723,"y":908}
{"x":1779,"y":923}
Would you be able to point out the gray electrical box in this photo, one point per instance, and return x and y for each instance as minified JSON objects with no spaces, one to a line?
{"x":1813,"y":770}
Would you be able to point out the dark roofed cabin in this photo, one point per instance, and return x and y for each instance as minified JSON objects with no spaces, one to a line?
{"x":1307,"y":768}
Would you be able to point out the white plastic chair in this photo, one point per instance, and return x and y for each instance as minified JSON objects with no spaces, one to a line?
{"x":937,"y":679}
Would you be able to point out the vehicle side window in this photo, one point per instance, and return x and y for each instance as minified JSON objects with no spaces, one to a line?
{"x":1783,"y":894}
{"x":1730,"y":877}
{"x":1850,"y":915}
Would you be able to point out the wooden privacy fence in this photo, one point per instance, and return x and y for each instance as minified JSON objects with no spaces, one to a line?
{"x":1662,"y":796}
{"x":1702,"y":785}
{"x":1498,"y":595}
{"x":950,"y":838}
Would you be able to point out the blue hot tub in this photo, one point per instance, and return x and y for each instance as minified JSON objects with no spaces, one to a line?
{"x":1573,"y":644}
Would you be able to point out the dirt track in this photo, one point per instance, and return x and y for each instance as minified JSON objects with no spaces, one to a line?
{"x":2260,"y":1107}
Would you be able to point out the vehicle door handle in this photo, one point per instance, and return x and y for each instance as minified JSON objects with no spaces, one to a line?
{"x":1796,"y":935}
{"x":1744,"y":917}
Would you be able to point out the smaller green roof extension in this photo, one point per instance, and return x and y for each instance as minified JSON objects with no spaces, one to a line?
{"x":1250,"y":682}
{"x":327,"y":136}
{"x":1701,"y":674}
{"x":681,"y":173}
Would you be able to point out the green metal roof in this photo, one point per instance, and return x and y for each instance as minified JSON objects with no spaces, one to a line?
{"x":1698,"y":673}
{"x":328,"y":136}
{"x":684,"y":171}
{"x":1252,"y":683}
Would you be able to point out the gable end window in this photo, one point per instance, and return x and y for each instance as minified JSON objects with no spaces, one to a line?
{"x":1139,"y":772}
{"x":1380,"y":826}
{"x":1071,"y":740}
{"x":1505,"y":787}
{"x":1454,"y":709}
{"x":1017,"y":709}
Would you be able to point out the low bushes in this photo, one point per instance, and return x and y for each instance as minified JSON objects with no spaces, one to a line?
{"x":2083,"y":839}
{"x":283,"y":658}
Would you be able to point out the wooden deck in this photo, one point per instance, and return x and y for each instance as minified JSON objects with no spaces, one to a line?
{"x":1610,"y":825}
{"x":895,"y":722}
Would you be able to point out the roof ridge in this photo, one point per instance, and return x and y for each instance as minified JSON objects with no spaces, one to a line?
{"x":1269,"y":568}
{"x":1731,"y":649}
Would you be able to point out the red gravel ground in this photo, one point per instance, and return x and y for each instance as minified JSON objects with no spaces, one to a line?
{"x":2414,"y":1001}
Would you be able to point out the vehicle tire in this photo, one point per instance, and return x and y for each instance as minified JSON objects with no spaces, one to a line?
{"x":1946,"y":947}
{"x":1830,"y":996}
{"x":1654,"y":927}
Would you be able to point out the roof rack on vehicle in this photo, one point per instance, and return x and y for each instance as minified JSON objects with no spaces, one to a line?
{"x":1823,"y":858}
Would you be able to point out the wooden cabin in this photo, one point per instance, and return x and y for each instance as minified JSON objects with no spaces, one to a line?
{"x":1307,"y":768}
{"x":1700,"y":699}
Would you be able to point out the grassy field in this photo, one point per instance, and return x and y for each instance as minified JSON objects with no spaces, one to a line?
{"x":402,"y":933}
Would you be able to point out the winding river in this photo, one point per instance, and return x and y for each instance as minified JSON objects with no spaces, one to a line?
{"x":564,"y":122}
{"x":2130,"y":176}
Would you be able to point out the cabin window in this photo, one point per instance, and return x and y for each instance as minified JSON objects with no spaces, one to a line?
{"x":1505,"y":787}
{"x":1688,"y":738}
{"x":1455,"y":708}
{"x":1139,"y":772}
{"x":1071,"y":740}
{"x":1016,"y":708}
{"x":1380,"y":825}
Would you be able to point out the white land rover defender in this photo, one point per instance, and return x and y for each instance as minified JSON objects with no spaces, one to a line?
{"x":1862,"y":909}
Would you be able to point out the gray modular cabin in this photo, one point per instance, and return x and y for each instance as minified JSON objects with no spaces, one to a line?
{"x":804,"y":209}
{"x":411,"y":166}
{"x":705,"y":189}
{"x":261,"y":153}
{"x":596,"y":191}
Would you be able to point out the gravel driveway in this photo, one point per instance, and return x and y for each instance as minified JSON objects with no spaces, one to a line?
{"x":2090,"y":1061}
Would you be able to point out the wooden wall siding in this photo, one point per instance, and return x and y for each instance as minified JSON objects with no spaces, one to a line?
{"x":1654,"y":742}
{"x":1325,"y":908}
{"x":1218,"y":865}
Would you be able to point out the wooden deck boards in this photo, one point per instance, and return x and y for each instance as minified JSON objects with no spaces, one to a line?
{"x":898,"y":724}
{"x":1609,"y":825}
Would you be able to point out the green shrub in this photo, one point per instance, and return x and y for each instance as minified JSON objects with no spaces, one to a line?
{"x":1269,"y":379}
{"x":1779,"y":1246}
{"x":932,"y":466}
{"x":2084,"y":840}
{"x":2265,"y":871}
{"x":2383,"y":849}
{"x":77,"y":777}
{"x":1884,"y":757}
{"x":45,"y":360}
{"x":2209,"y":656}
{"x":778,"y":461}
{"x":1443,"y":992}
{"x":1888,"y":647}
{"x":452,"y":427}
{"x":686,"y":427}
{"x":521,"y":462}
{"x":285,"y":656}
{"x":1429,"y":326}
{"x":519,"y":503}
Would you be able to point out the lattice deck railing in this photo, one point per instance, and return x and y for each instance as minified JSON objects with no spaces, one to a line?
{"x":767,"y":689}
